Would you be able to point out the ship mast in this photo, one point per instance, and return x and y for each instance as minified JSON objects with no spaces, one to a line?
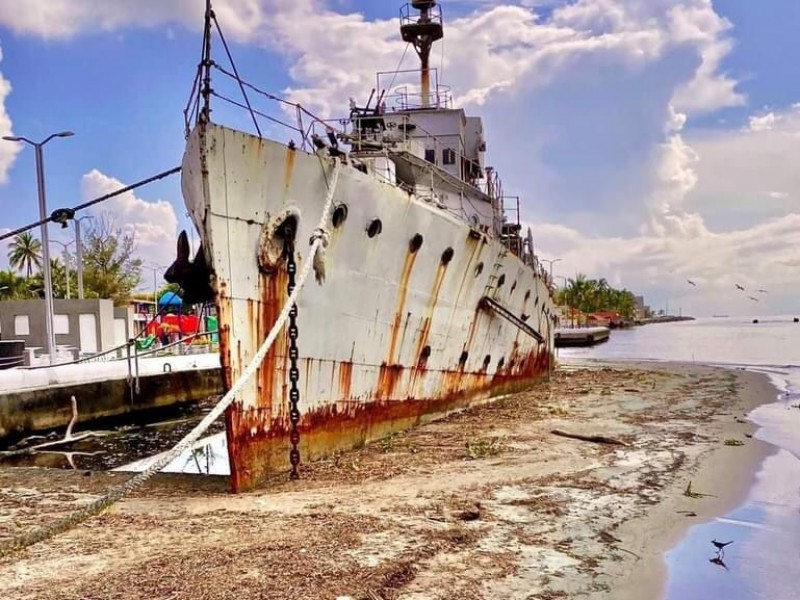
{"x":422,"y":33}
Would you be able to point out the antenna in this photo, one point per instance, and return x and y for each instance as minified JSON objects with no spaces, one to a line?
{"x":422,"y":33}
{"x":205,"y":89}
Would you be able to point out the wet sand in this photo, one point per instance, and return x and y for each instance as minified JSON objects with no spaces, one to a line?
{"x":484,"y":504}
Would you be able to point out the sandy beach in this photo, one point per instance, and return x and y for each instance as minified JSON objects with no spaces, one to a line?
{"x":484,"y":504}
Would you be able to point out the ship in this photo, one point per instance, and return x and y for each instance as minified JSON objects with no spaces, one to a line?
{"x":428,"y":299}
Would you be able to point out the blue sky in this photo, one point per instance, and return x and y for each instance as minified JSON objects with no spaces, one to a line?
{"x":651,"y":141}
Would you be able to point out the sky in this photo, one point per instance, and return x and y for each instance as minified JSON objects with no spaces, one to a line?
{"x":653,"y":142}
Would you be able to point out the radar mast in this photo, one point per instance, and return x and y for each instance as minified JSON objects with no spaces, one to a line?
{"x":422,"y":33}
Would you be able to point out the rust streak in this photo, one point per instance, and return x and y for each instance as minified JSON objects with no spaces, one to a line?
{"x":402,"y":291}
{"x":288,"y":168}
{"x":345,"y":379}
{"x":349,"y":424}
{"x":425,"y":329}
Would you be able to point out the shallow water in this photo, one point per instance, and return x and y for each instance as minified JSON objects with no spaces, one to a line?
{"x":122,"y":441}
{"x":763,"y":562}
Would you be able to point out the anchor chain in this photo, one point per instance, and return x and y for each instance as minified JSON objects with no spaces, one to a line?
{"x":294,"y":371}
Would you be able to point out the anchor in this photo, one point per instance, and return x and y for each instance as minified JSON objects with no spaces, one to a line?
{"x":194,"y":277}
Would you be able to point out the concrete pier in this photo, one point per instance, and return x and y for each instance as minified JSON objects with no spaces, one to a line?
{"x":35,"y":400}
{"x":581,"y":336}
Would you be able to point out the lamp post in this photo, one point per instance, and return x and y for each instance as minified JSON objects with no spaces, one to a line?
{"x":66,"y":260}
{"x":555,"y":260}
{"x":79,"y":253}
{"x":155,"y":285}
{"x":48,"y":284}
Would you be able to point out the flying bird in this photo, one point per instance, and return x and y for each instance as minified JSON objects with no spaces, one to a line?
{"x":739,"y":287}
{"x":690,"y":282}
{"x":763,"y":292}
{"x":753,"y":299}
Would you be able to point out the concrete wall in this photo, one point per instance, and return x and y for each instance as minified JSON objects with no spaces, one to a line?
{"x":124,"y":326}
{"x":67,"y":318}
{"x":29,"y":411}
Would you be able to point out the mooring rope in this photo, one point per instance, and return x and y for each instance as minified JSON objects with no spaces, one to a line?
{"x":41,"y":534}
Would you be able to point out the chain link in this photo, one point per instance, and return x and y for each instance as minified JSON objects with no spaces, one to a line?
{"x":294,"y":371}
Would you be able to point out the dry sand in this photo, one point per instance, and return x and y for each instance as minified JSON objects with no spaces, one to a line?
{"x":484,"y":504}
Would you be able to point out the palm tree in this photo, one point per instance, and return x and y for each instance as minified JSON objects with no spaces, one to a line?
{"x":25,"y":252}
{"x":13,"y":287}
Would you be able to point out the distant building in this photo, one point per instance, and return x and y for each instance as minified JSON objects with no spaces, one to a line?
{"x":81,"y":327}
{"x":639,"y":309}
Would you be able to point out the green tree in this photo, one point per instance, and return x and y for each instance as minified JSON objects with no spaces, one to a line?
{"x":110,"y":269}
{"x":58,"y":278}
{"x":25,"y":252}
{"x":593,"y":295}
{"x":14,"y":287}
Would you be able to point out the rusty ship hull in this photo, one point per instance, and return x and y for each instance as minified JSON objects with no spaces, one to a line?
{"x":397,"y":333}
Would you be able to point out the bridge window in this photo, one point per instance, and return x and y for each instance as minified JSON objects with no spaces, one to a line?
{"x":430,"y":155}
{"x":448,"y":156}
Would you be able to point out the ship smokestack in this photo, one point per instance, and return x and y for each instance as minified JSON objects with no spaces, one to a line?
{"x":423,"y":33}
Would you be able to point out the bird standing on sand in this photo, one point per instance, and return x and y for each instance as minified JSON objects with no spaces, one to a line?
{"x":721,"y":546}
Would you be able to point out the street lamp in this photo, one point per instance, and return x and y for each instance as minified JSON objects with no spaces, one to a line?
{"x":66,"y":260}
{"x":48,"y":284}
{"x":79,"y":253}
{"x":555,"y":260}
{"x":155,"y":286}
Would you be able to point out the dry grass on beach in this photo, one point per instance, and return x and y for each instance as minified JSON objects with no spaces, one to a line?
{"x":483,"y":504}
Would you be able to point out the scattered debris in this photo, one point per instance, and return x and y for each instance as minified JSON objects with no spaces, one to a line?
{"x":688,"y":492}
{"x":479,"y":448}
{"x":597,"y":439}
{"x":67,"y":439}
{"x":472,"y":513}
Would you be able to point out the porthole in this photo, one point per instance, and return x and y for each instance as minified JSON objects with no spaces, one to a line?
{"x":424,"y":355}
{"x":447,"y":256}
{"x":527,"y":294}
{"x":415,"y":243}
{"x":374,"y":228}
{"x":513,"y":287}
{"x":500,"y":363}
{"x":486,"y":361}
{"x":501,"y":281}
{"x":511,"y":364}
{"x":478,"y":269}
{"x":462,"y":360}
{"x":339,"y":215}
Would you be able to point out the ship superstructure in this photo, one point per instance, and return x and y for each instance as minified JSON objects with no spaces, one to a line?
{"x":427,"y":299}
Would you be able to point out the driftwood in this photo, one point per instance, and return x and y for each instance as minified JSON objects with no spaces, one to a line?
{"x":67,"y":439}
{"x":596,"y":439}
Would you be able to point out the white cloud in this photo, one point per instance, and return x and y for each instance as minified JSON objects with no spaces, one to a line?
{"x":4,"y":248}
{"x":696,"y":23}
{"x":763,"y":123}
{"x":154,"y":223}
{"x":8,"y":151}
{"x":699,"y":174}
{"x":601,"y":92}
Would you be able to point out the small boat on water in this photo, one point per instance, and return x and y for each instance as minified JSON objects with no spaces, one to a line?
{"x":428,"y":297}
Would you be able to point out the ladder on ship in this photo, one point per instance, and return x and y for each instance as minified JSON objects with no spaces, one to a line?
{"x":488,"y":303}
{"x":493,"y":276}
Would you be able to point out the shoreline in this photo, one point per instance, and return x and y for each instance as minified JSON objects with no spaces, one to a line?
{"x":483,"y":504}
{"x":659,"y":531}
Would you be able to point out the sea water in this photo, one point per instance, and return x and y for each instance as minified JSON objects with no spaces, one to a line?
{"x":764,"y":560}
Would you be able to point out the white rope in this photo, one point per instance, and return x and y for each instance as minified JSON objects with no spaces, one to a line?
{"x":117,"y":493}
